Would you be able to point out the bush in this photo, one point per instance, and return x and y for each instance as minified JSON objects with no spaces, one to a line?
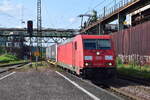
{"x":136,"y":71}
{"x":2,"y":50}
{"x":7,"y":58}
{"x":119,"y":61}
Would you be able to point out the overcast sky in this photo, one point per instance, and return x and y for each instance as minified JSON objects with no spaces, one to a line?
{"x":55,"y":13}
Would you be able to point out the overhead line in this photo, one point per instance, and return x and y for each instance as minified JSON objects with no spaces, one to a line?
{"x":108,"y":4}
{"x":11,"y":16}
{"x":48,"y":13}
{"x":89,"y":10}
{"x":96,"y":6}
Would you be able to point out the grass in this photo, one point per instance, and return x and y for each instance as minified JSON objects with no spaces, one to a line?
{"x":39,"y":64}
{"x":6,"y":58}
{"x":35,"y":66}
{"x":14,"y":62}
{"x":134,"y":70}
{"x":10,"y":59}
{"x":43,"y":64}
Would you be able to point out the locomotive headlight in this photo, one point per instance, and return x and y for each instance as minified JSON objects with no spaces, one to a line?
{"x":110,"y":64}
{"x":86,"y":64}
{"x":97,"y":53}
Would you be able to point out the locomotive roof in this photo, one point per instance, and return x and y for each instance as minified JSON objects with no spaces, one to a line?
{"x":86,"y":36}
{"x":67,"y":41}
{"x":96,"y":36}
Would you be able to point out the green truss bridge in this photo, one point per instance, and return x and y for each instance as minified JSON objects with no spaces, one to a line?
{"x":48,"y":32}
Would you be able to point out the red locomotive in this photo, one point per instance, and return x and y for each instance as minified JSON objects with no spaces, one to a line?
{"x":88,"y":55}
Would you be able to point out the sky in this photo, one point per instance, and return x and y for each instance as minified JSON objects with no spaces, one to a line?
{"x":55,"y":13}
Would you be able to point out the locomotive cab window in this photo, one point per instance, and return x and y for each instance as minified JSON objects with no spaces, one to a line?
{"x":97,"y":44}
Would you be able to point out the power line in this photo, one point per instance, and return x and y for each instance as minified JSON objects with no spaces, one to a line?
{"x":46,"y":9}
{"x":89,"y":10}
{"x":8,"y":15}
{"x":71,"y":23}
{"x":109,"y":4}
{"x":96,"y":6}
{"x":100,"y":4}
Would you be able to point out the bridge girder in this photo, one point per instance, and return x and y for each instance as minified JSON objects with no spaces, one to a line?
{"x":59,"y":33}
{"x":125,"y":7}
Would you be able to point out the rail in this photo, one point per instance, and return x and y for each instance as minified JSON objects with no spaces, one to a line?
{"x":10,"y":67}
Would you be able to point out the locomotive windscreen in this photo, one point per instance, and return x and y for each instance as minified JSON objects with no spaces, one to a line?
{"x":97,"y":44}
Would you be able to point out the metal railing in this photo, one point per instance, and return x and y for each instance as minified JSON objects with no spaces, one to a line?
{"x":116,"y":7}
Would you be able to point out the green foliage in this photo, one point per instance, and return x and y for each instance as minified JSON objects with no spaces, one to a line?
{"x":133,"y":69}
{"x":119,"y":61}
{"x":2,"y":50}
{"x":136,"y":71}
{"x":8,"y":58}
{"x":94,"y":16}
{"x":13,"y":62}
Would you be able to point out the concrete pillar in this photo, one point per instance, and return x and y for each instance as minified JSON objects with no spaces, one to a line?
{"x":121,"y":19}
{"x":101,"y":29}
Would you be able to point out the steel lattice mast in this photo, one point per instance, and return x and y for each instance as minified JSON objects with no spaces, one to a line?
{"x":39,"y":27}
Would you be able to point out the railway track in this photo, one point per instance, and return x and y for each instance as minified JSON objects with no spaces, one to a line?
{"x":121,"y":94}
{"x":135,"y":79}
{"x":131,"y":88}
{"x":138,"y":87}
{"x":124,"y":87}
{"x":114,"y":89}
{"x":110,"y":88}
{"x":10,"y":67}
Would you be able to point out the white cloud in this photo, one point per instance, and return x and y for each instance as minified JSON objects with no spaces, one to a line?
{"x":19,"y":26}
{"x":8,"y":6}
{"x":72,"y":20}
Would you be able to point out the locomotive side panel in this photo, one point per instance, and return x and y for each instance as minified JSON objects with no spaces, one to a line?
{"x":65,"y":55}
{"x":78,"y":62}
{"x":78,"y":51}
{"x":70,"y":54}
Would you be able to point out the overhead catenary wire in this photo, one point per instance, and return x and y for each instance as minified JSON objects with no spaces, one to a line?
{"x":104,"y":8}
{"x":72,"y":23}
{"x":8,"y":15}
{"x":102,"y":2}
{"x":109,"y":4}
{"x":48,"y":14}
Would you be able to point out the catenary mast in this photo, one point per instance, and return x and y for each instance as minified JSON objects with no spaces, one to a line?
{"x":39,"y":28}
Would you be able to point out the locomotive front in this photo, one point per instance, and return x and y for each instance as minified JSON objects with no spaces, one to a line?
{"x":99,"y":57}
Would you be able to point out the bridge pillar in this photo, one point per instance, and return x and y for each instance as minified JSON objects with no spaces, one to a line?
{"x":101,"y":29}
{"x":121,"y":20}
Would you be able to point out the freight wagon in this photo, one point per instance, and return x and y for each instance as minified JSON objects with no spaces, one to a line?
{"x":51,"y":52}
{"x":87,"y":55}
{"x":133,"y":45}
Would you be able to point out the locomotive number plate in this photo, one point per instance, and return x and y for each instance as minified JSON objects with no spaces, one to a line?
{"x":108,"y":57}
{"x":98,"y":58}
